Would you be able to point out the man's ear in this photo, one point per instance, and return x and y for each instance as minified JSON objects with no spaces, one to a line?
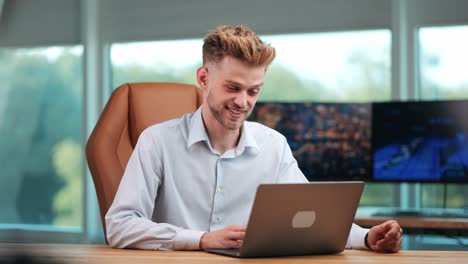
{"x":202,"y":77}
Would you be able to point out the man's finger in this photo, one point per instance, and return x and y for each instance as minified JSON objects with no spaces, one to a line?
{"x":384,"y":242}
{"x":379,"y":231}
{"x":398,"y":234}
{"x":393,"y":225}
{"x":237,"y":228}
{"x":233,"y":243}
{"x":385,"y":227}
{"x":396,"y":247}
{"x":393,"y":233}
{"x":389,"y":245}
{"x":236,"y":235}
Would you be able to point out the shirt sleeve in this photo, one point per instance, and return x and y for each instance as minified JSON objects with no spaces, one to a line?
{"x":289,"y":171}
{"x":356,"y":237}
{"x":128,"y":221}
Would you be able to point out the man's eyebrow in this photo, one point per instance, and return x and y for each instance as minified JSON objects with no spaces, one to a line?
{"x":232,"y":82}
{"x":236,"y":83}
{"x":257,"y":85}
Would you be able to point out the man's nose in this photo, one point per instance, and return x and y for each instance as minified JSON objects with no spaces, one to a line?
{"x":241,"y":99}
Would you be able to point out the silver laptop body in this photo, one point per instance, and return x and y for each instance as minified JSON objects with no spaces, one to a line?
{"x":299,"y":219}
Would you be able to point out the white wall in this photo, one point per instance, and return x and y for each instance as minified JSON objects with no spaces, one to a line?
{"x":40,"y":22}
{"x":48,"y":22}
{"x":124,"y":20}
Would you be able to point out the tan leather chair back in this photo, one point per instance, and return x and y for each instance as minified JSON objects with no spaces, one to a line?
{"x":131,"y":108}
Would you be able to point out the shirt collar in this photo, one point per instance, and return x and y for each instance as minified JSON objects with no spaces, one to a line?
{"x":246,"y":140}
{"x":197,"y":133}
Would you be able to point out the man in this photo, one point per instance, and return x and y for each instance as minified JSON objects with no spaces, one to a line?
{"x":190,"y":182}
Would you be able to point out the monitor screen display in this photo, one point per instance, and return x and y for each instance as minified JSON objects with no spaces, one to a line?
{"x":330,"y":141}
{"x":420,"y":141}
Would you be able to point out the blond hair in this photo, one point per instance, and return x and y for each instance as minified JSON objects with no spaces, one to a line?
{"x":239,"y":42}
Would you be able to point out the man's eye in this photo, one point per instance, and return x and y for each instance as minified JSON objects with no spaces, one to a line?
{"x":233,"y":88}
{"x":253,"y":92}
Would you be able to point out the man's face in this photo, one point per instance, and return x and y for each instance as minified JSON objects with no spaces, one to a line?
{"x":231,"y":90}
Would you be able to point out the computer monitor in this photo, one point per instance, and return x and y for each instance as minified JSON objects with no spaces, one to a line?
{"x":330,"y":141}
{"x":424,"y":141}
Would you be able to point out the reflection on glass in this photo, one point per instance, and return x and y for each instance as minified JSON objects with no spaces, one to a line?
{"x":443,"y":62}
{"x":40,"y":136}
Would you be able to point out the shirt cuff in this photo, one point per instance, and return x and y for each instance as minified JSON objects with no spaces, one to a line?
{"x":356,"y":237}
{"x":188,"y":239}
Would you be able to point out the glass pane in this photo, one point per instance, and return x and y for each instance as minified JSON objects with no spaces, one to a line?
{"x":455,"y":196}
{"x":329,"y":67}
{"x":40,"y":136}
{"x":333,"y":67}
{"x":156,"y":61}
{"x":377,"y":195}
{"x":443,"y":64}
{"x":326,"y":67}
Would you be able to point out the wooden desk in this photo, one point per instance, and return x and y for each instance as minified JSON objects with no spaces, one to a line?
{"x":365,"y":219}
{"x":103,"y":254}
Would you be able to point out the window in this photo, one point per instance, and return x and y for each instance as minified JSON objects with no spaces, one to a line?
{"x":443,"y":76}
{"x":328,"y":67}
{"x":333,"y":67}
{"x":40,"y":137}
{"x":156,"y":61}
{"x":443,"y":62}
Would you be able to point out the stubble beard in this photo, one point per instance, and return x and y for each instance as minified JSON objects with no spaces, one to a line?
{"x":222,"y":118}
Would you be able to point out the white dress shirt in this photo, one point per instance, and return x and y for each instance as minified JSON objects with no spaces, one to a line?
{"x":177,"y":186}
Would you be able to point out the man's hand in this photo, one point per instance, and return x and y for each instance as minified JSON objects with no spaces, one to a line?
{"x":229,"y":237}
{"x":385,"y":237}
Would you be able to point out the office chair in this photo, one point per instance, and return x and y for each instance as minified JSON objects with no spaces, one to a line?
{"x":131,"y":108}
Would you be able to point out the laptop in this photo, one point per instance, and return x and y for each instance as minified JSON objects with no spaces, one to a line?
{"x":299,"y":219}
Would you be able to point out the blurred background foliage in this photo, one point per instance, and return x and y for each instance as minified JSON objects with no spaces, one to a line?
{"x":40,"y":137}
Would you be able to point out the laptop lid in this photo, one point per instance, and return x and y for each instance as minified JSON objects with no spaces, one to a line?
{"x":300,"y":219}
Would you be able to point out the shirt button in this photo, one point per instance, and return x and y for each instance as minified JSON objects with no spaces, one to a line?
{"x":216,"y":220}
{"x":219,"y":189}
